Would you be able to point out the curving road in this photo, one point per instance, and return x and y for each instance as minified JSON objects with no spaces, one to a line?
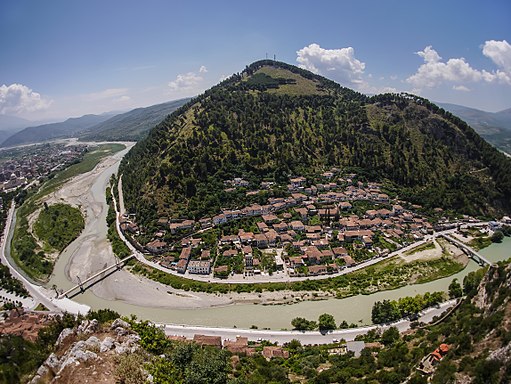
{"x":38,"y":293}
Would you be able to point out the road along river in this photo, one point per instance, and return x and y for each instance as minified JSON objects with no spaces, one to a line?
{"x":130,"y":294}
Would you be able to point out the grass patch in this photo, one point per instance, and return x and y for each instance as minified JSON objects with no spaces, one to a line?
{"x":302,"y":86}
{"x":420,"y":248}
{"x":480,"y":243}
{"x":89,"y":161}
{"x":24,"y":249}
{"x":40,"y":307}
{"x":58,"y":225}
{"x":440,"y":268}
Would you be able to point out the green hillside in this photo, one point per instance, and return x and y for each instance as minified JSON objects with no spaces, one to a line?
{"x":275,"y":120}
{"x":70,"y":128}
{"x":494,"y":127}
{"x":133,"y":125}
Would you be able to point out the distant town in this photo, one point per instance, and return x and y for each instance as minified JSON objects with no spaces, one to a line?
{"x":21,"y":166}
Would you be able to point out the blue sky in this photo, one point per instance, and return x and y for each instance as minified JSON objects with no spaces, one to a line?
{"x":67,"y":58}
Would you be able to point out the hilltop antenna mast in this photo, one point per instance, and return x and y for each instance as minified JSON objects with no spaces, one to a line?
{"x":274,"y":57}
{"x":266,"y":55}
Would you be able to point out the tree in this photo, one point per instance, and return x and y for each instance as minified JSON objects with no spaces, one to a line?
{"x":385,"y":311}
{"x":497,"y":237}
{"x":410,"y":305}
{"x":390,"y":336}
{"x":326,"y":322}
{"x":455,"y":289}
{"x":208,"y":366}
{"x":302,"y":324}
{"x":294,"y":345}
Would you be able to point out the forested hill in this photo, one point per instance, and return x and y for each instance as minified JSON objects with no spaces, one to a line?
{"x":133,"y":125}
{"x":274,"y":120}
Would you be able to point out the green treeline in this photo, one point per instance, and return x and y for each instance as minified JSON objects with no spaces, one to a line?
{"x":238,"y":129}
{"x":365,"y":281}
{"x":391,"y":310}
{"x":10,"y":284}
{"x":24,"y":248}
{"x":120,"y":249}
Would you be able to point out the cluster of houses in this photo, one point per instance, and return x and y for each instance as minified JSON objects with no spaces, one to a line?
{"x":37,"y":162}
{"x":321,"y":249}
{"x":24,"y":324}
{"x":316,"y":224}
{"x":239,"y":346}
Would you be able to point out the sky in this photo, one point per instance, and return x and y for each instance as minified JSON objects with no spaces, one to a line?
{"x":62,"y":58}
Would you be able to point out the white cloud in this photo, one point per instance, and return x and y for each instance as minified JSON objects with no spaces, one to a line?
{"x":337,"y":64}
{"x":457,"y":71}
{"x":110,"y":93}
{"x":185,"y":82}
{"x":435,"y":72}
{"x":18,"y":98}
{"x":124,"y":99}
{"x":461,"y":88}
{"x":500,"y":53}
{"x":203,"y":69}
{"x":429,"y":55}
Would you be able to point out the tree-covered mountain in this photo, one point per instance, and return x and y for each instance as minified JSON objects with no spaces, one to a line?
{"x":275,"y":120}
{"x":494,"y":127}
{"x":65,"y":129}
{"x":128,"y":126}
{"x":133,"y":125}
{"x":9,"y":125}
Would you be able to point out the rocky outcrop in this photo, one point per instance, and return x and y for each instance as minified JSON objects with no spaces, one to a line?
{"x":88,"y":326}
{"x":502,"y":354}
{"x":80,"y":352}
{"x":86,"y":345}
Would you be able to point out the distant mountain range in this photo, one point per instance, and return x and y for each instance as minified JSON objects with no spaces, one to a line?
{"x":9,"y":125}
{"x":69,"y":128}
{"x":132,"y":125}
{"x":495,"y":127}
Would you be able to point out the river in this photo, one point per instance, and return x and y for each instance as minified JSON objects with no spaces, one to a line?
{"x":356,"y":309}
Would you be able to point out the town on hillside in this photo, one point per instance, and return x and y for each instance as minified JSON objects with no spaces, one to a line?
{"x":318,"y":229}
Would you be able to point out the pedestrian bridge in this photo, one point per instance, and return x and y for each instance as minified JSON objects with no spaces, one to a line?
{"x":94,"y":279}
{"x":476,"y":256}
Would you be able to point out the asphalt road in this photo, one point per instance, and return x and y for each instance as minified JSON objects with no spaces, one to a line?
{"x":38,"y":293}
{"x":306,"y":338}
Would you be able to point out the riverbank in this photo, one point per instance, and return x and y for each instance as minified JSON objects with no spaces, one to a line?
{"x":28,"y":252}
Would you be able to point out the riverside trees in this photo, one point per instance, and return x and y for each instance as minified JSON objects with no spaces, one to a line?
{"x":391,"y":310}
